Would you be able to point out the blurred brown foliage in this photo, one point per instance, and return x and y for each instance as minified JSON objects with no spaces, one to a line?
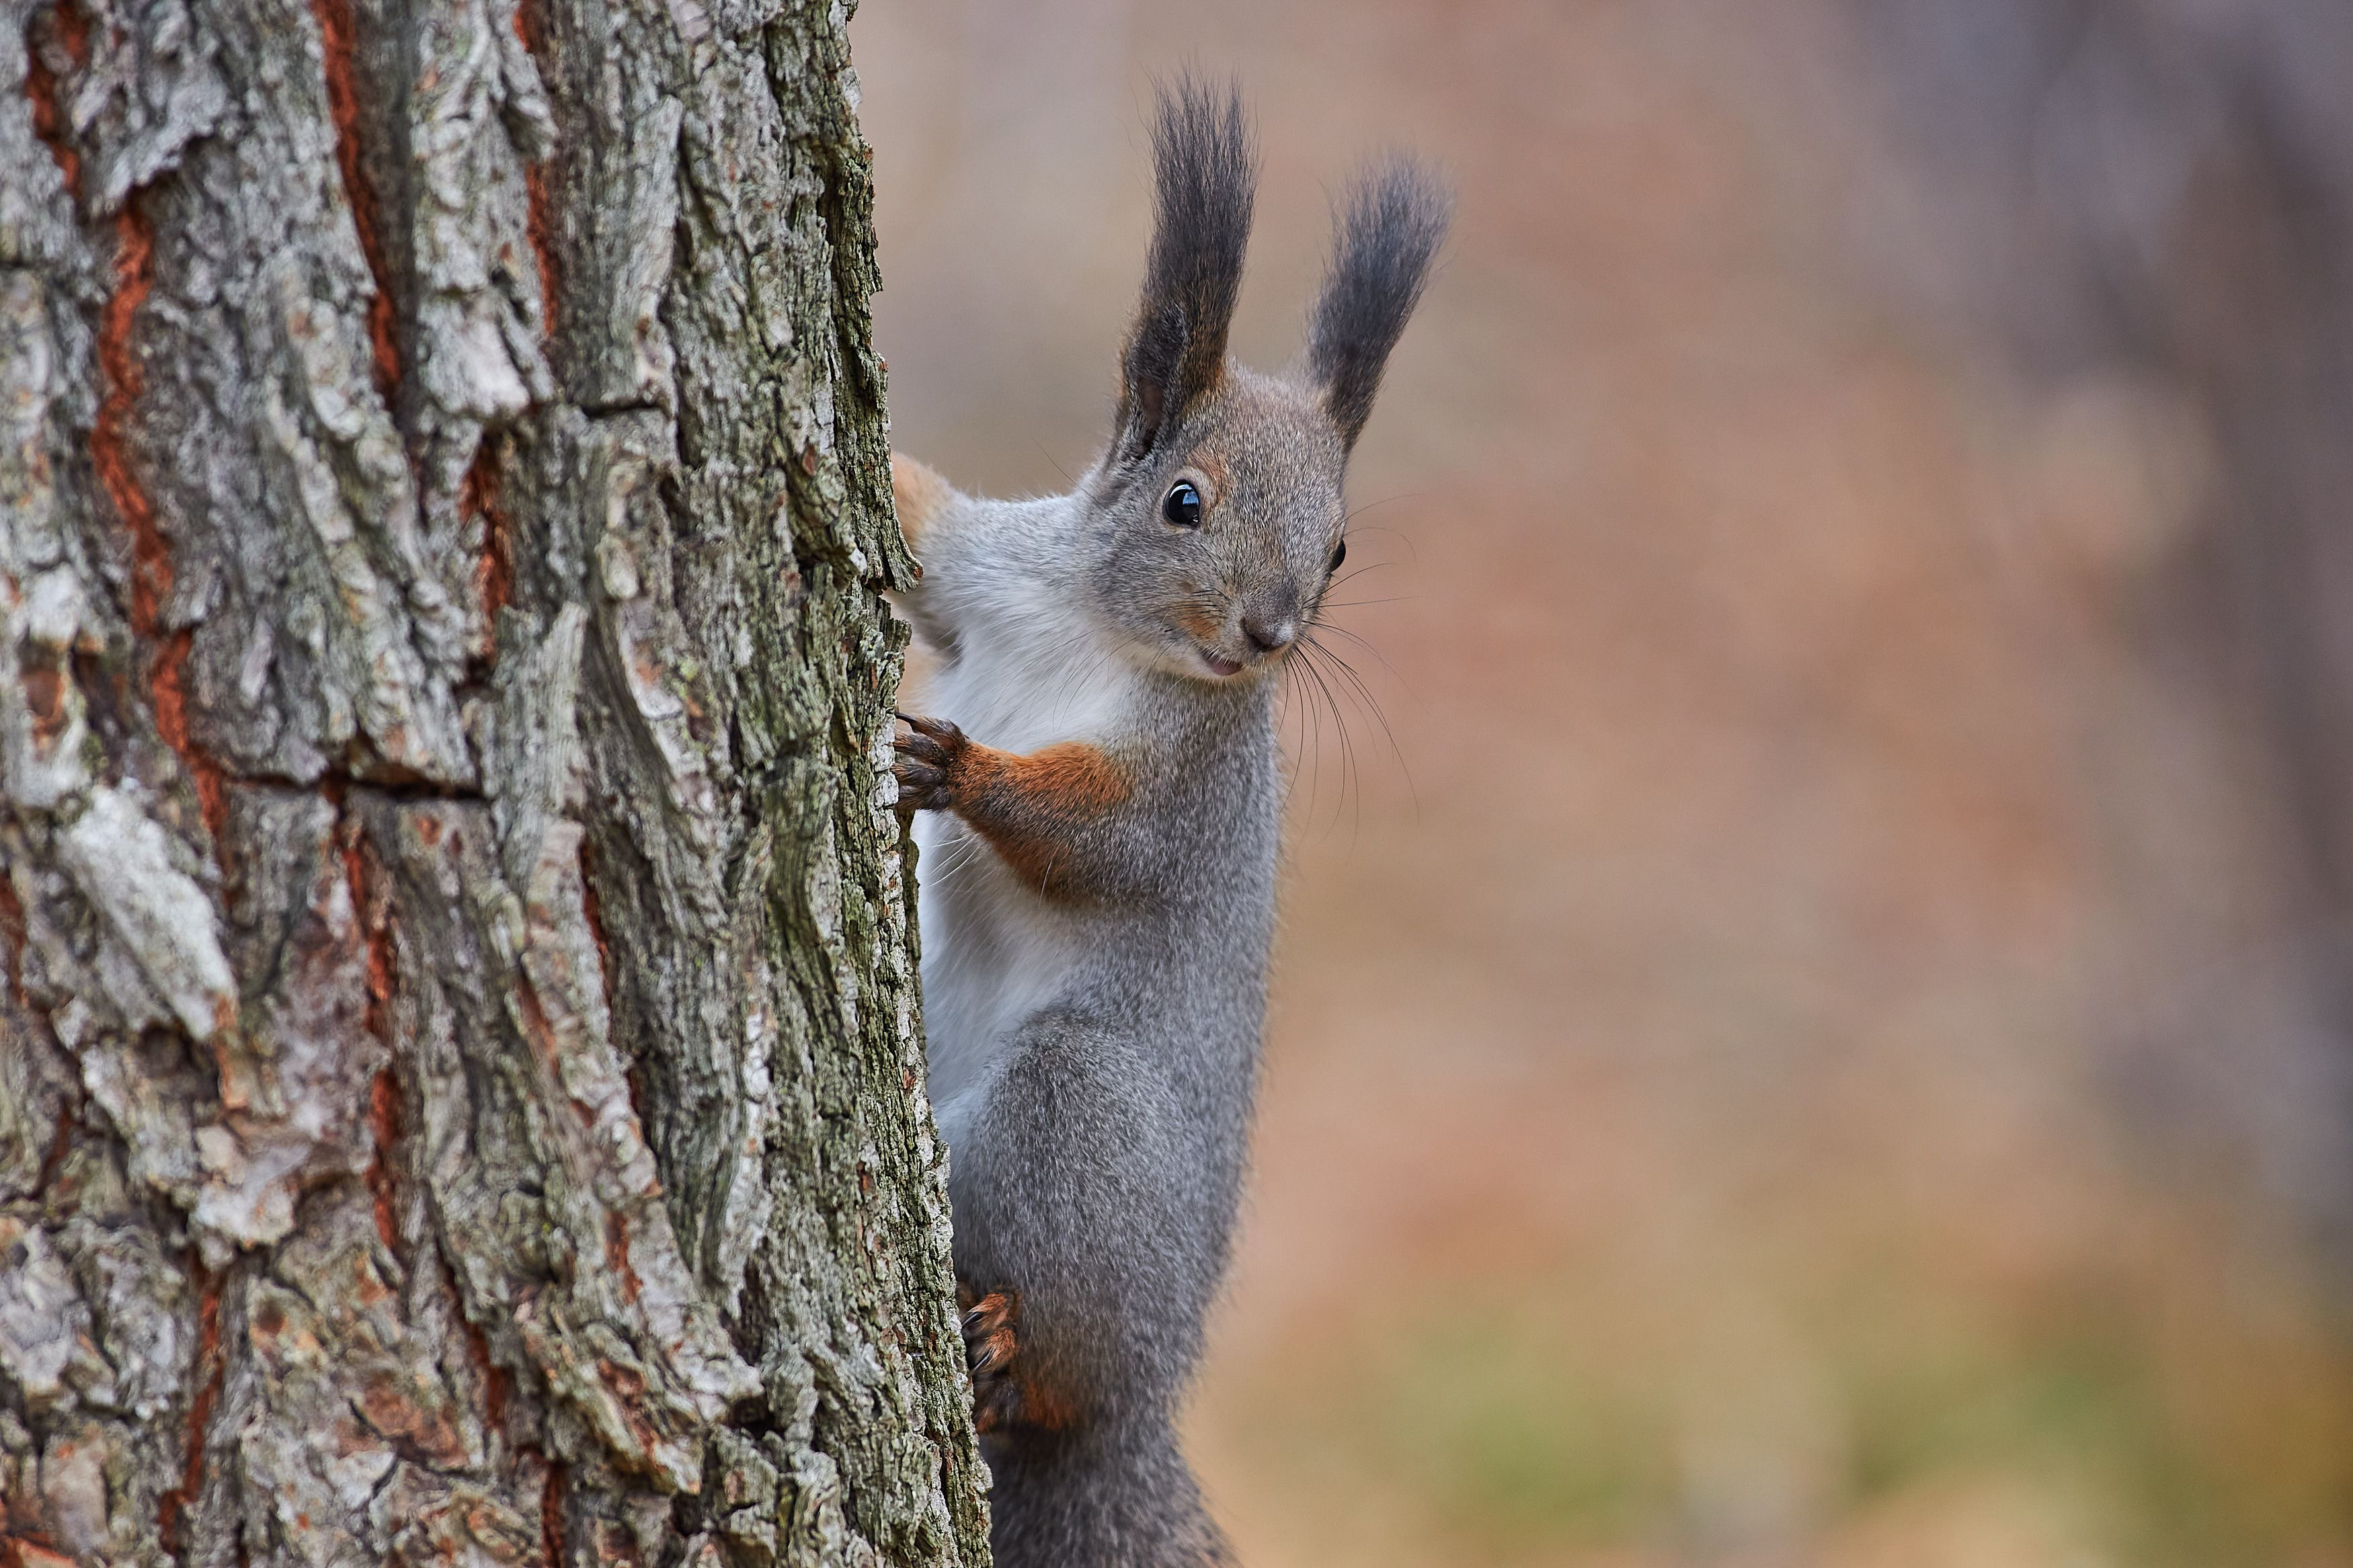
{"x":1813,"y":1027}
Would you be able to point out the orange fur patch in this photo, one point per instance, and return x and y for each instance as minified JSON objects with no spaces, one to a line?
{"x":1042,"y":1407}
{"x":918,"y":493}
{"x":1206,"y":627}
{"x":1071,"y":779}
{"x":1028,"y":806}
{"x":1209,"y":462}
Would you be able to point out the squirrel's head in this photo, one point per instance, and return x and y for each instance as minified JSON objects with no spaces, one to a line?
{"x":1218,"y":522}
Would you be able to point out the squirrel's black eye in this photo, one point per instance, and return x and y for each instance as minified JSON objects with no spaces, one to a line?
{"x":1339,"y":553}
{"x":1183,"y":506}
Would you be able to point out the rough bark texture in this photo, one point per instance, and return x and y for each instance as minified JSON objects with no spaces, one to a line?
{"x":460,"y":1097}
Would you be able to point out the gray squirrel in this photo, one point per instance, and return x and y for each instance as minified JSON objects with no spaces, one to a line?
{"x":1101,"y":813}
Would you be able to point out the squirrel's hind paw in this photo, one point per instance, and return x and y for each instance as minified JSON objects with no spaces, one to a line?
{"x":990,"y":1344}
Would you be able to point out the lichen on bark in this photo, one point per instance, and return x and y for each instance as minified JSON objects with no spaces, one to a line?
{"x":460,"y":1084}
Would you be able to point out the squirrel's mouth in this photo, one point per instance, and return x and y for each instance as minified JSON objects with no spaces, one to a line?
{"x":1221,"y":668}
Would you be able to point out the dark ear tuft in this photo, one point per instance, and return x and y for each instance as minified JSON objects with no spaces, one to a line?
{"x":1206,"y":172}
{"x":1383,"y":241}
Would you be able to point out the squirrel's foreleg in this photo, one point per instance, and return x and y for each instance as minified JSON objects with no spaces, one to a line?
{"x":1037,"y":810}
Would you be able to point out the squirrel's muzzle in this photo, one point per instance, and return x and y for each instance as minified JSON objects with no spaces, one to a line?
{"x":1270,"y":634}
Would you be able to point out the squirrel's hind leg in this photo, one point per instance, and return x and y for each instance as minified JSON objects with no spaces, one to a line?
{"x":1091,"y":1206}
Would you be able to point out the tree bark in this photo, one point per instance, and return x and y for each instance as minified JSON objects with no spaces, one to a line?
{"x":461,"y":1085}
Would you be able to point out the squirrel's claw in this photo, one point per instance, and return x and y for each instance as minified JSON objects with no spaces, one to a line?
{"x":990,"y":1344}
{"x":922,"y":749}
{"x":940,"y":730}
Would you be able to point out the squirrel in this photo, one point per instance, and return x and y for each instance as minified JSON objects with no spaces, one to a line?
{"x":1099,"y":794}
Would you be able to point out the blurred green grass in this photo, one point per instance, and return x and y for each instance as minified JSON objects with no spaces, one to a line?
{"x":1554,"y":1426}
{"x":1520,"y":1437}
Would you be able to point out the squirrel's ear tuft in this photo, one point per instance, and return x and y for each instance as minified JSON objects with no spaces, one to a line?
{"x":1383,"y":242}
{"x":1206,"y":173}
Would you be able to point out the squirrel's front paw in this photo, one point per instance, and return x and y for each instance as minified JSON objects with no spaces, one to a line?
{"x":926,"y":765}
{"x":989,"y":1343}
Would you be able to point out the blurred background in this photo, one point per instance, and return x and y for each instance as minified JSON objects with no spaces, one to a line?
{"x":1815,"y":1026}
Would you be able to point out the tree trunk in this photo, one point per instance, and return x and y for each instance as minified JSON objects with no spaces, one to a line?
{"x":460,"y":1091}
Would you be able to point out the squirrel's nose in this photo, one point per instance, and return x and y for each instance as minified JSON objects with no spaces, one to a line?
{"x":1268,"y":637}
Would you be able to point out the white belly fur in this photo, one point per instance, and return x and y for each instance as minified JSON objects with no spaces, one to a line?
{"x":994,"y":952}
